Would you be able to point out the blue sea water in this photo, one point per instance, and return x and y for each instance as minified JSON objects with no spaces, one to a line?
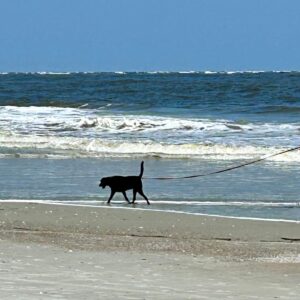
{"x":61,"y":132}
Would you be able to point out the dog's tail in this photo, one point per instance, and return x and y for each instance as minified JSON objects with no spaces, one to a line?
{"x":142,"y":169}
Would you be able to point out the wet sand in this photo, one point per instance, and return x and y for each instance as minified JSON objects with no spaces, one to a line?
{"x":72,"y":252}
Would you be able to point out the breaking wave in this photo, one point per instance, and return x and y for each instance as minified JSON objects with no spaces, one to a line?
{"x":92,"y":132}
{"x":64,"y":147}
{"x":34,"y":118}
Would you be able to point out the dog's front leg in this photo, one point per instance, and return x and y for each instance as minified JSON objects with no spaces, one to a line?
{"x":111,"y":196}
{"x":125,"y":196}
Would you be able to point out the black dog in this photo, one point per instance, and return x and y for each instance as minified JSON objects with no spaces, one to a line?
{"x":122,"y":184}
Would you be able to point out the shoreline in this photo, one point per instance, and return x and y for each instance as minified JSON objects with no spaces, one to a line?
{"x":102,"y":204}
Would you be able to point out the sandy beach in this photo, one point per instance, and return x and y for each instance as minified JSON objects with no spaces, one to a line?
{"x":74,"y":252}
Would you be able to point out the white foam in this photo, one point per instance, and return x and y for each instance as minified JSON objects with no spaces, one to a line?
{"x":157,"y":72}
{"x":55,"y":73}
{"x":210,"y":72}
{"x":38,"y":119}
{"x":187,"y":72}
{"x":228,"y":203}
{"x":189,"y":203}
{"x":89,"y":133}
{"x":87,"y":147}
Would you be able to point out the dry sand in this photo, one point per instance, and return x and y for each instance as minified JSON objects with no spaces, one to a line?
{"x":71,"y":252}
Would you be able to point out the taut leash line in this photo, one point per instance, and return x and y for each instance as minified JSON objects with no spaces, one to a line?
{"x":228,"y":169}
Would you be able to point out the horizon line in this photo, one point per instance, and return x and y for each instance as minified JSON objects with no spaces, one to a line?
{"x":150,"y":72}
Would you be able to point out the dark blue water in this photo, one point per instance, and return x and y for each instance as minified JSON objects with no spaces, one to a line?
{"x":59,"y":133}
{"x":251,"y":96}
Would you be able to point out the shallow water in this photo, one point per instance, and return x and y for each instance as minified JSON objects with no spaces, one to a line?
{"x":264,"y":190}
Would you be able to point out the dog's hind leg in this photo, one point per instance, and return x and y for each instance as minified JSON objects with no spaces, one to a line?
{"x":144,"y":196}
{"x":134,"y":196}
{"x":111,"y":196}
{"x":125,"y":196}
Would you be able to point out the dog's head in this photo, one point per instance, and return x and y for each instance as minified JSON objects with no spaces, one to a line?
{"x":103,"y":182}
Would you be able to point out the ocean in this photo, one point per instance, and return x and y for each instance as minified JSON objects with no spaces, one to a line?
{"x":61,"y":132}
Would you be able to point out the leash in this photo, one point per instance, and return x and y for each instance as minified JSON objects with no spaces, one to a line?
{"x":228,"y":169}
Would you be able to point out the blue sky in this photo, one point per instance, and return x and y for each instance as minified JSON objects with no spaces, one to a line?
{"x":140,"y":35}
